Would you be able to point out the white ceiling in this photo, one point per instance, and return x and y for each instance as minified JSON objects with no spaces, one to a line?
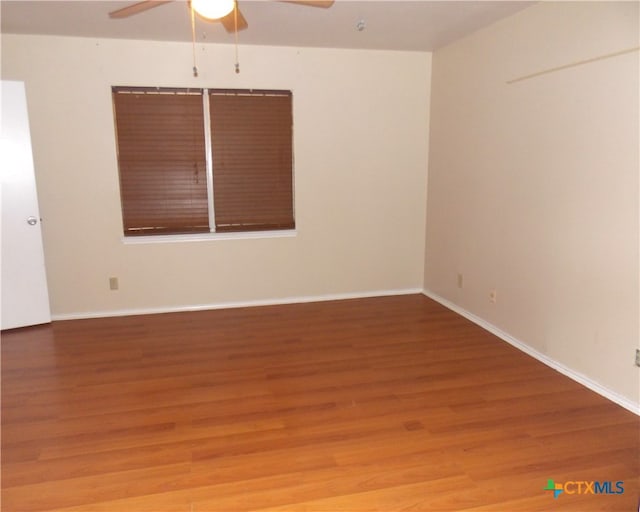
{"x":417,"y":25}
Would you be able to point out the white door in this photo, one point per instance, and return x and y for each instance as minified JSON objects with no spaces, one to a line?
{"x":25,"y":298}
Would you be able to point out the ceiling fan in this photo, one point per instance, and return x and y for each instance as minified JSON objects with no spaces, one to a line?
{"x":222,"y":10}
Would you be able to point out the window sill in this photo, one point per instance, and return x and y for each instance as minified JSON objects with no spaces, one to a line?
{"x":206,"y":237}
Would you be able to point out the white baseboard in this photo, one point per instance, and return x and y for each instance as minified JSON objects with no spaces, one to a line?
{"x":228,"y":305}
{"x":572,"y":374}
{"x":576,"y":376}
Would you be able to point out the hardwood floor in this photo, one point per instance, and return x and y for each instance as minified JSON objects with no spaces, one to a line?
{"x":385,"y":404}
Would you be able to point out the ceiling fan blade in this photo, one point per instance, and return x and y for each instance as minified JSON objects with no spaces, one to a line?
{"x":139,"y":7}
{"x":229,"y":21}
{"x":311,"y":3}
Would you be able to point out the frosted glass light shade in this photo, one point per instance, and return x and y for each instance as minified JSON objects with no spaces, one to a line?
{"x":212,"y":9}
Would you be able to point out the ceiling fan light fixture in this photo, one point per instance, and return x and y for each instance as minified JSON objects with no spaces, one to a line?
{"x":212,"y":9}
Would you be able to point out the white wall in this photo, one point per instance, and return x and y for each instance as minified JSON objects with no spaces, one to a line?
{"x":533,"y":186}
{"x":361,"y":134}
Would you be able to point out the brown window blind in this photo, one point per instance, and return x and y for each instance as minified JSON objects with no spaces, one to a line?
{"x":161,"y":158}
{"x":251,"y":134}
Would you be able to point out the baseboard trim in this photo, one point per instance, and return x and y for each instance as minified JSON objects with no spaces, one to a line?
{"x":572,"y":374}
{"x":230,"y":305}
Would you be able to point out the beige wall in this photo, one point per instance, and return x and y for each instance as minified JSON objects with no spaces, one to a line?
{"x":361,"y":133}
{"x":533,"y":186}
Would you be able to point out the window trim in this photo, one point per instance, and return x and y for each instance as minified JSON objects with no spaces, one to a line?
{"x":208,"y":144}
{"x":208,"y":237}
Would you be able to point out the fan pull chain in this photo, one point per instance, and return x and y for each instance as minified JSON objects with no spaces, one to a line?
{"x":235,"y":19}
{"x":193,"y":40}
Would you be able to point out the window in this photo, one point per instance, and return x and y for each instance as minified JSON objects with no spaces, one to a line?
{"x":204,"y":160}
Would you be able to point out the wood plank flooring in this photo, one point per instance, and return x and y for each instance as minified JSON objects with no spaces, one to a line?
{"x":385,"y":404}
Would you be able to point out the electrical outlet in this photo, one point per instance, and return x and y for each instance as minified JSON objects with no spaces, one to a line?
{"x":638,"y":357}
{"x":113,"y":283}
{"x":493,"y":296}
{"x":460,"y":280}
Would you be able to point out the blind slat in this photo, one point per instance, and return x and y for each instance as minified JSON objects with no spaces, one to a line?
{"x":162,"y":167}
{"x":252,"y":161}
{"x":161,"y":159}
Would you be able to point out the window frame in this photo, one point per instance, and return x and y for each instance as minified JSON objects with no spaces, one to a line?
{"x":212,"y":234}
